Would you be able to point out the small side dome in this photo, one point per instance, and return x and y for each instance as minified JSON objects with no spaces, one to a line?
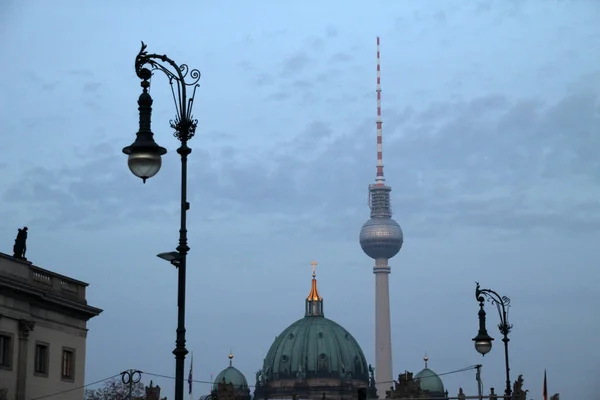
{"x":231,"y":375}
{"x":430,"y":381}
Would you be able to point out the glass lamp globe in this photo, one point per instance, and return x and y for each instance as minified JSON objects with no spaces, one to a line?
{"x":144,"y":164}
{"x":144,"y":156}
{"x":483,"y":346}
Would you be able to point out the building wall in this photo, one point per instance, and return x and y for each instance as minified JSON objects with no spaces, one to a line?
{"x":58,"y":338}
{"x":8,"y":377}
{"x":57,"y":326}
{"x":310,"y":389}
{"x":58,"y":331}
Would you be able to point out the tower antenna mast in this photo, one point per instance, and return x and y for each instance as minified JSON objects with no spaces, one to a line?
{"x":379,"y":180}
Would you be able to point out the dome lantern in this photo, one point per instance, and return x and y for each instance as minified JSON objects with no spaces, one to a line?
{"x":314,"y":302}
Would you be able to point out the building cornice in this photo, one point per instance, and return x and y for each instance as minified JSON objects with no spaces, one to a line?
{"x":46,"y":298}
{"x":30,"y":264}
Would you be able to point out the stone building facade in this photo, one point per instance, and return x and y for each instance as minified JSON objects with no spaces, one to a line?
{"x":43,"y":330}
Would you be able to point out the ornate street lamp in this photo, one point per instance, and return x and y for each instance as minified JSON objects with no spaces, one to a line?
{"x":145,"y":161}
{"x":130,"y":378}
{"x":483,"y":341}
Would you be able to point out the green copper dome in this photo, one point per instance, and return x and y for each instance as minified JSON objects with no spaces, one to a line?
{"x":430,"y":381}
{"x":231,"y":375}
{"x":314,"y":347}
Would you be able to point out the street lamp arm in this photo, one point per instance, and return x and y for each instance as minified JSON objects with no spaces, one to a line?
{"x":501,"y":302}
{"x":180,"y":73}
{"x":184,"y":124}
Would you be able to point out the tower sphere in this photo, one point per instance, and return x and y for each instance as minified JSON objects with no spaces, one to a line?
{"x":381,"y":238}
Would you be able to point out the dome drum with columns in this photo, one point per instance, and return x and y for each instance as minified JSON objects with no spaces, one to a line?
{"x":314,"y":357}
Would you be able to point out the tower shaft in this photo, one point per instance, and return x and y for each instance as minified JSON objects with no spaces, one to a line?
{"x":383,"y":329}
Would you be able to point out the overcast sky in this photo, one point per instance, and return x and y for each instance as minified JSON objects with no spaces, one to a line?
{"x":491,"y":135}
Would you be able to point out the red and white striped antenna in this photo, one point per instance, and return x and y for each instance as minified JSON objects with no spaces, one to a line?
{"x":379,"y":180}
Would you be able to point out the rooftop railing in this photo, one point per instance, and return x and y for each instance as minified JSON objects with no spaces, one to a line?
{"x":39,"y":278}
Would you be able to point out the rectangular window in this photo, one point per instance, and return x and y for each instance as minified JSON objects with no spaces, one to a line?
{"x":41,"y":359}
{"x":6,"y":346}
{"x":68,"y":364}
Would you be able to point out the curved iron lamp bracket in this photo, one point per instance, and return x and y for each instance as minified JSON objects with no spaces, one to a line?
{"x":184,"y":124}
{"x":502,"y":303}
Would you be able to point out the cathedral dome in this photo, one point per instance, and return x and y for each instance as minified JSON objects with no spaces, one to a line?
{"x":231,"y":375}
{"x":314,"y":349}
{"x":430,"y":381}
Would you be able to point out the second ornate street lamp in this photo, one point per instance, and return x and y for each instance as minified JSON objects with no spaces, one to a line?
{"x":130,"y":378}
{"x":483,"y":341}
{"x":145,"y":162}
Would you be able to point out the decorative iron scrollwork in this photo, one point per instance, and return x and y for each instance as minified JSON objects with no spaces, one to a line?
{"x":183,"y":123}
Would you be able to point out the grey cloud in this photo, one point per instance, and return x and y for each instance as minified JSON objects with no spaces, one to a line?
{"x":331,"y":32}
{"x":440,"y":17}
{"x":302,"y":88}
{"x":278,"y":96}
{"x":326,"y":75}
{"x":32,"y":123}
{"x":472,"y":164}
{"x":248,"y":40}
{"x":316,"y":43}
{"x":310,"y":140}
{"x":50,"y":86}
{"x":302,"y":84}
{"x":530,"y":221}
{"x":218,"y":136}
{"x":295,"y":63}
{"x":247,"y":65}
{"x":102,"y":149}
{"x":273,"y":33}
{"x":91,"y":87}
{"x":483,"y":7}
{"x":263,"y":79}
{"x":341,"y":57}
{"x":101,"y":191}
{"x":78,"y":72}
{"x":259,"y":78}
{"x":33,"y":77}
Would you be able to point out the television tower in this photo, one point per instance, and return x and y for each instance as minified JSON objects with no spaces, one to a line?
{"x":381,"y":238}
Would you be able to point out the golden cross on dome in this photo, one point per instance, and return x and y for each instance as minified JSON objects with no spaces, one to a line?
{"x":314,"y":264}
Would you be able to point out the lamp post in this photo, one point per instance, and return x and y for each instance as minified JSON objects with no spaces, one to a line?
{"x":130,"y":378}
{"x":145,"y":161}
{"x":483,"y":341}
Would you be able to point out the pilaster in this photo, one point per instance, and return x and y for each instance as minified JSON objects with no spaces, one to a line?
{"x":25,"y":327}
